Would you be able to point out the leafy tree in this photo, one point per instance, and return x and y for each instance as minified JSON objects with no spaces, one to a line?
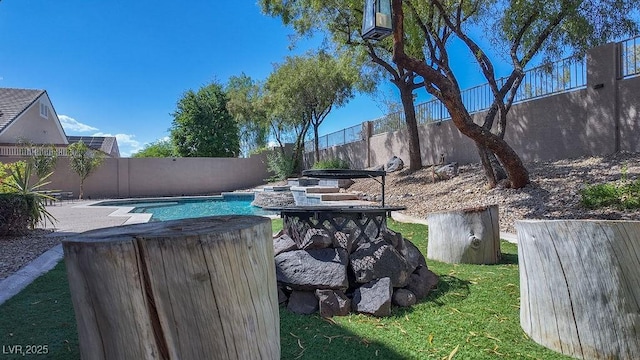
{"x":342,"y":22}
{"x":43,"y":157}
{"x":202,"y":125}
{"x":84,"y":161}
{"x":310,"y":86}
{"x":245,"y":106}
{"x":519,"y":30}
{"x":158,"y":149}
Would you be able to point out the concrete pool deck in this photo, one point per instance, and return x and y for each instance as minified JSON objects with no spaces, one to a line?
{"x":78,"y":216}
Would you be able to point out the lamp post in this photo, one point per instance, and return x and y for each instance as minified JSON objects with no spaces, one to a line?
{"x":376,"y":22}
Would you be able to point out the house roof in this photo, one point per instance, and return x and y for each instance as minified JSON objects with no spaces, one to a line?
{"x":15,"y":101}
{"x":106,"y":144}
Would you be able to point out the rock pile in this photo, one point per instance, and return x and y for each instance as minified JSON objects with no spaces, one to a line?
{"x":340,"y":273}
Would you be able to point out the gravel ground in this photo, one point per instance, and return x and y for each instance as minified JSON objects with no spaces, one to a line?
{"x":17,"y":251}
{"x":554,"y":193}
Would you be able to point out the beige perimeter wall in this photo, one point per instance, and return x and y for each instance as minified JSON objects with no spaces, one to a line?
{"x":600,"y":119}
{"x":141,"y":177}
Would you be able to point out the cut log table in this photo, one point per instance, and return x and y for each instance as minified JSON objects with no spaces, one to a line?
{"x":580,"y":286}
{"x":185,"y":289}
{"x":468,"y":236}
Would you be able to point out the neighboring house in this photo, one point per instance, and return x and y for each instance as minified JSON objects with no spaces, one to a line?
{"x":29,"y":116}
{"x":106,"y":144}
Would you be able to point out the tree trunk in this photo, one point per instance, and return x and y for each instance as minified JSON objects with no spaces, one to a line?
{"x":185,"y":289}
{"x":406,"y":96}
{"x":469,"y":236}
{"x":580,"y":286}
{"x":316,"y":140}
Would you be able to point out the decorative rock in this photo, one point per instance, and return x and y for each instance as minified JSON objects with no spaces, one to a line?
{"x":377,"y":168}
{"x":404,"y":298}
{"x":273,"y":199}
{"x":413,"y":255}
{"x":303,"y":302}
{"x":283,"y":243}
{"x":344,"y":241}
{"x":313,"y":269}
{"x":394,"y":164}
{"x":282,"y":297}
{"x":316,"y":239}
{"x":448,"y":171}
{"x":374,"y":298}
{"x":333,"y":303}
{"x":374,"y":260}
{"x":394,"y":238}
{"x":421,"y":282}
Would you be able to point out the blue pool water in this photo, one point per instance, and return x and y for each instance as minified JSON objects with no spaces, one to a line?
{"x":183,"y":208}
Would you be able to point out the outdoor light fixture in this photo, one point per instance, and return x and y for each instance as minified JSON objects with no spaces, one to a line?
{"x":376,"y":23}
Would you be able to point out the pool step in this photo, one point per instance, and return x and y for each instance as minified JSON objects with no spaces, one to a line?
{"x":316,"y":189}
{"x":333,"y":196}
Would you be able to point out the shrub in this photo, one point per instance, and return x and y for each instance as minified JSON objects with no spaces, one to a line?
{"x":15,"y":213}
{"x":622,"y":195}
{"x":280,"y":165}
{"x":332,"y":163}
{"x":25,"y":205}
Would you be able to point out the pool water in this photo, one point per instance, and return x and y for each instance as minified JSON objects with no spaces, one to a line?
{"x":172,"y":209}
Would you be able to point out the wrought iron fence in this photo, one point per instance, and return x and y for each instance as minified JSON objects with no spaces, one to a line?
{"x":341,"y":137}
{"x":564,"y":75}
{"x":630,"y":57}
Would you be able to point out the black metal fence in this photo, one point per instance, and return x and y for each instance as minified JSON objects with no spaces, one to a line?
{"x":551,"y":78}
{"x":630,"y":57}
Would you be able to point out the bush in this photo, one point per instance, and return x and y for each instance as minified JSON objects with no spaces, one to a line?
{"x":332,"y":163}
{"x":622,"y":195}
{"x":23,"y":204}
{"x":280,"y":165}
{"x":15,"y":213}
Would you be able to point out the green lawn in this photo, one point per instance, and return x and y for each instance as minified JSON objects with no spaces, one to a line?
{"x":473,"y":314}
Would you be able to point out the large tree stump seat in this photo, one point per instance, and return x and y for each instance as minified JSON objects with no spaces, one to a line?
{"x":185,"y":289}
{"x":580,"y":286}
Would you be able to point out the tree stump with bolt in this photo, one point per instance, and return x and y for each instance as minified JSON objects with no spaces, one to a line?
{"x":468,"y":236}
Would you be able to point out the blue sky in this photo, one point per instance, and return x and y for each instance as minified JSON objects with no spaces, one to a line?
{"x":117,"y":68}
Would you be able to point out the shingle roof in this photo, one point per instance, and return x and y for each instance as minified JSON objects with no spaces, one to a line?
{"x":13,"y":102}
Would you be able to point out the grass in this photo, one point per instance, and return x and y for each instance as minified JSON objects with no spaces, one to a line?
{"x":473,"y":314}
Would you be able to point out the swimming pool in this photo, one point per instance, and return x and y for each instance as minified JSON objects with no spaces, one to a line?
{"x":191,"y":207}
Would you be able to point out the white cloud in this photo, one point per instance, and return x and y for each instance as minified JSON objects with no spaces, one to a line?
{"x":126,"y":143}
{"x":71,"y":124}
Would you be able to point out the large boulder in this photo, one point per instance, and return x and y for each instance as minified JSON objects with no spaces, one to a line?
{"x":344,"y":240}
{"x":413,"y":255}
{"x":375,"y":260}
{"x":404,"y":298}
{"x":448,"y":171}
{"x":283,"y":243}
{"x":303,"y":302}
{"x":313,"y":269}
{"x":394,"y":164}
{"x":333,"y":303}
{"x":374,"y":298}
{"x":316,"y":239}
{"x":421,"y":282}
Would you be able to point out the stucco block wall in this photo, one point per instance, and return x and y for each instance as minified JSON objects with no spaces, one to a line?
{"x":140,"y":177}
{"x":600,"y":119}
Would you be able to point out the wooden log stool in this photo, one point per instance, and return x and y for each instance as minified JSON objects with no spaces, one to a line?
{"x":186,"y":289}
{"x":468,"y":236}
{"x":580,"y":286}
